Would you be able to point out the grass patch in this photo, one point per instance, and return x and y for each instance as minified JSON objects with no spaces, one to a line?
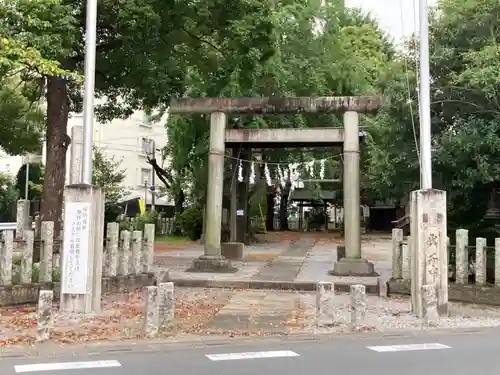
{"x":172,"y":240}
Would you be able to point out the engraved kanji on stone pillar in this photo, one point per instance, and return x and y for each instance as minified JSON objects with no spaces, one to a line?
{"x":429,"y":304}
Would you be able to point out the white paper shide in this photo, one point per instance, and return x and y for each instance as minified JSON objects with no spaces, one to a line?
{"x":75,"y":248}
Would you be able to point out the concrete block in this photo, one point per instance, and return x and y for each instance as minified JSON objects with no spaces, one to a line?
{"x":233,"y":250}
{"x":353,"y":267}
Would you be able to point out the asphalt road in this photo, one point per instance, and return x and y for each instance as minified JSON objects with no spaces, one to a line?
{"x":430,"y":354}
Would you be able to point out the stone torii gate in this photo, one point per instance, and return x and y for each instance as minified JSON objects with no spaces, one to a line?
{"x":220,"y":108}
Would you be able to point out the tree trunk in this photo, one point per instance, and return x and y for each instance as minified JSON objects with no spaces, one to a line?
{"x":284,"y":207}
{"x":179,"y":202}
{"x":57,"y":141}
{"x":270,"y":210}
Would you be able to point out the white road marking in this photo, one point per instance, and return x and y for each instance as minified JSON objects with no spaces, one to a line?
{"x":65,"y":366}
{"x":251,"y":355}
{"x":410,"y":347}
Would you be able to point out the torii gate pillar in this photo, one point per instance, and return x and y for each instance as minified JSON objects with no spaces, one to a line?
{"x":353,"y":264}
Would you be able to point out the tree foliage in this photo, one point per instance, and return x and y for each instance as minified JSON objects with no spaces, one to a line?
{"x":108,"y":174}
{"x":144,"y":53}
{"x":465,"y":115}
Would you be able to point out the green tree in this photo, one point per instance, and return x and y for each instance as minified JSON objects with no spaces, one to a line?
{"x":8,"y":196}
{"x":145,"y":51}
{"x":35,"y":181}
{"x":108,"y":174}
{"x":322,"y":49}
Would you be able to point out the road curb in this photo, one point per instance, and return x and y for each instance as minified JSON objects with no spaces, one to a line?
{"x":304,"y":286}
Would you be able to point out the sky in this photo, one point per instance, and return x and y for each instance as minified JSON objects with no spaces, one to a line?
{"x":396,"y":17}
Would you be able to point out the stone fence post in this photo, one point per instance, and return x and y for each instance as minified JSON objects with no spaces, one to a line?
{"x":23,"y":220}
{"x":325,"y":303}
{"x":46,"y":251}
{"x":111,"y":253}
{"x":497,"y":262}
{"x":462,"y":256}
{"x":480,"y":261}
{"x":148,"y":247}
{"x":151,"y":318}
{"x":166,"y":305}
{"x":6,"y":251}
{"x":358,"y":306}
{"x":26,"y":246}
{"x":136,"y":252}
{"x":397,"y":253}
{"x":44,"y":315}
{"x":124,"y":253}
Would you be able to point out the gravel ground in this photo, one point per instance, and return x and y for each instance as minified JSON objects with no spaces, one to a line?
{"x":392,"y":314}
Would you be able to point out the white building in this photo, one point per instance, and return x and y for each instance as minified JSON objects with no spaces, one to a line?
{"x":121,"y":139}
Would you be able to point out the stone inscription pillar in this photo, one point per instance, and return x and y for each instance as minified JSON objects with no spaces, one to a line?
{"x":429,"y":258}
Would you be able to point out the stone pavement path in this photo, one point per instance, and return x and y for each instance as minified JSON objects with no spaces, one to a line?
{"x":301,"y":257}
{"x":288,"y":264}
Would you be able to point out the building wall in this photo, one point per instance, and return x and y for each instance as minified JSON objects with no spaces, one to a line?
{"x":121,"y":139}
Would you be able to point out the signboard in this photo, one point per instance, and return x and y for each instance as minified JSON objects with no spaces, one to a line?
{"x":240,"y":213}
{"x":76,"y":247}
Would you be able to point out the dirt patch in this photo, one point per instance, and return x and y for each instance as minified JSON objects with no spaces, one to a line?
{"x":121,"y":318}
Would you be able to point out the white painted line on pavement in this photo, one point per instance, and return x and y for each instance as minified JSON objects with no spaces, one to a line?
{"x":410,"y":347}
{"x":251,"y":355}
{"x":65,"y":366}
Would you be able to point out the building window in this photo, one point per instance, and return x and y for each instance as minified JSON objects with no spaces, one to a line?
{"x":145,"y":177}
{"x":146,"y":146}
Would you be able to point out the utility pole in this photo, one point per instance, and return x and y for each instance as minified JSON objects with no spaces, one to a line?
{"x":27,"y":178}
{"x":88,"y":97}
{"x":149,"y":148}
{"x":425,"y":99}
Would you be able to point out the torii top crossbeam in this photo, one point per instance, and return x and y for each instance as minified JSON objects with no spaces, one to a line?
{"x":276,"y":104}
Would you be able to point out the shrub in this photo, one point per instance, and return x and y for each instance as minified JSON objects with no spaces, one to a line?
{"x":191,"y":222}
